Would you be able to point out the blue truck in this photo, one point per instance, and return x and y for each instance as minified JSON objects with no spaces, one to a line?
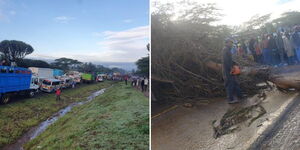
{"x":16,"y":80}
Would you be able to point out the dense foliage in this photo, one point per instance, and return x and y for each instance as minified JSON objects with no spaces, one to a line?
{"x":180,"y":47}
{"x":12,"y":50}
{"x":33,"y":63}
{"x":184,"y":45}
{"x":143,"y":64}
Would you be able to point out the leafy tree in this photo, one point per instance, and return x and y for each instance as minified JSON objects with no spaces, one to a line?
{"x":65,"y":63}
{"x":143,"y":66}
{"x":13,"y":50}
{"x":181,"y":45}
{"x":102,"y":69}
{"x":115,"y":69}
{"x":259,"y":25}
{"x":32,"y":63}
{"x":287,"y":19}
{"x":257,"y":21}
{"x":87,"y":67}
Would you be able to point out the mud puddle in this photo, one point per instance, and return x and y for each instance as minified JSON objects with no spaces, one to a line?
{"x":37,"y":130}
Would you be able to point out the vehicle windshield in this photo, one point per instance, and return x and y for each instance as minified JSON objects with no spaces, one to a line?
{"x":34,"y":80}
{"x":55,"y":83}
{"x":46,"y":82}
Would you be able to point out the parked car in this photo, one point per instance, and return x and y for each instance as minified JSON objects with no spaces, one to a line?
{"x":66,"y":82}
{"x":50,"y":85}
{"x":38,"y":80}
{"x":99,"y":78}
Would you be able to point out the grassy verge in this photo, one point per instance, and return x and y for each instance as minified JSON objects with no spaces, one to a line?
{"x":118,"y":119}
{"x":18,"y":117}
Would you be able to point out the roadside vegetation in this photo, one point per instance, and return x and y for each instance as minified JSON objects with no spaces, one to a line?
{"x":118,"y":119}
{"x":18,"y":117}
{"x":192,"y":41}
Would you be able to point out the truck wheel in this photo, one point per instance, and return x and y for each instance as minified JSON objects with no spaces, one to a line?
{"x":31,"y":93}
{"x":5,"y":99}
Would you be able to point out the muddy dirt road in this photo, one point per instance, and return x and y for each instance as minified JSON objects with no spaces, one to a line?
{"x":286,"y":134}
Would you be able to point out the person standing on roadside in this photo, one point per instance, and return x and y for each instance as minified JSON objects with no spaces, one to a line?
{"x":274,"y":50}
{"x":258,"y":50}
{"x":252,"y":49}
{"x":126,"y":79}
{"x":133,"y":80}
{"x":73,"y":84}
{"x":288,"y":47}
{"x":143,"y":84}
{"x":280,"y":47}
{"x":231,"y":85}
{"x":296,"y":41}
{"x":137,"y":83}
{"x":146,"y":81}
{"x":266,"y":52}
{"x":58,"y":93}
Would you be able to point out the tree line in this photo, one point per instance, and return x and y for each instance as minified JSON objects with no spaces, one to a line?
{"x":13,"y":52}
{"x":143,"y":65}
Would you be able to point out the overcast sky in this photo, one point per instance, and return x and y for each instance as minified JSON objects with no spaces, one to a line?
{"x":238,"y":11}
{"x":87,"y":30}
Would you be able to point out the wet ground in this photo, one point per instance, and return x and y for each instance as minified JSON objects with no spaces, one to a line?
{"x":286,"y":134}
{"x":35,"y":131}
{"x":190,"y":126}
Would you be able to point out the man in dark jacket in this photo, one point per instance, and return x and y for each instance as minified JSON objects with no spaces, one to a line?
{"x":252,"y":49}
{"x":273,"y":47}
{"x":280,"y":46}
{"x":231,"y":85}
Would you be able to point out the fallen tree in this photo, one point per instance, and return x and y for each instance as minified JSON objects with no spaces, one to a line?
{"x":186,"y":56}
{"x":287,"y":77}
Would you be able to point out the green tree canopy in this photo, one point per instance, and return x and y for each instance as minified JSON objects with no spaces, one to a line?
{"x":65,"y":63}
{"x":143,"y":66}
{"x":287,"y":19}
{"x":13,"y":50}
{"x":32,"y":63}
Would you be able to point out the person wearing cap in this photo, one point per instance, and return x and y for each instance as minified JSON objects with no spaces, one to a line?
{"x":231,"y":85}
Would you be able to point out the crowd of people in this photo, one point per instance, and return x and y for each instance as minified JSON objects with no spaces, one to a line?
{"x":140,"y":83}
{"x":276,"y":49}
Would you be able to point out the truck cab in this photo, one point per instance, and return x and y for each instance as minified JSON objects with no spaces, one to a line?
{"x":50,"y":85}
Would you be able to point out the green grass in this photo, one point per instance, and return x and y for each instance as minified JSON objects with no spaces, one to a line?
{"x":118,"y":119}
{"x":18,"y":117}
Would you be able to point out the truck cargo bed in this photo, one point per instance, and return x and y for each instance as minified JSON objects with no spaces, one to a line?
{"x":14,"y":79}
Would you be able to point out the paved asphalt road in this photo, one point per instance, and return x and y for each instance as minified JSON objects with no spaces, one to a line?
{"x":285,"y":135}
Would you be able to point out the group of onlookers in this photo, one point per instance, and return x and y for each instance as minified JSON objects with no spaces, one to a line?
{"x":276,"y":49}
{"x":140,"y":83}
